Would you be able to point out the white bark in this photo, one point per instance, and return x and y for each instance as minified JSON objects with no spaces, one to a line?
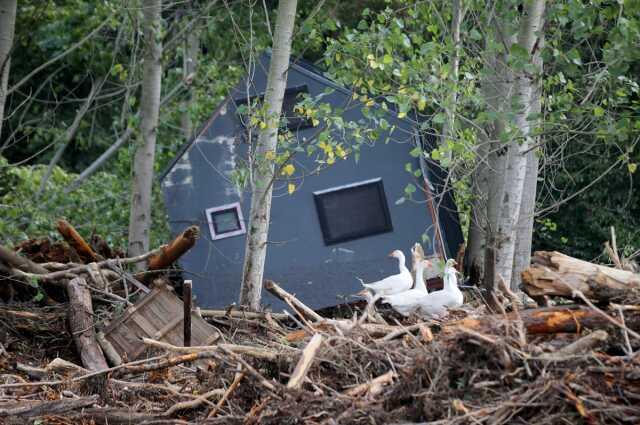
{"x":140,"y":216}
{"x":456,"y":19}
{"x":524,"y":229}
{"x":256,"y":245}
{"x":7,"y":28}
{"x":515,"y":171}
{"x":189,"y":67}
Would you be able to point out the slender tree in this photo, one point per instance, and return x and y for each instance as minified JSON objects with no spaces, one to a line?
{"x":189,"y":67}
{"x":264,"y":168}
{"x":140,"y":216}
{"x":7,"y":28}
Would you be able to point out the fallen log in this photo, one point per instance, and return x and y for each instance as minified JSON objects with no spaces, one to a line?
{"x":16,"y":261}
{"x":548,"y":320}
{"x":81,"y":325}
{"x":556,"y":274}
{"x":73,"y":238}
{"x":53,"y":407}
{"x":169,"y":254}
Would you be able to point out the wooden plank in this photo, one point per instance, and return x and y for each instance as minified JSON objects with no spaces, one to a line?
{"x":186,"y":300}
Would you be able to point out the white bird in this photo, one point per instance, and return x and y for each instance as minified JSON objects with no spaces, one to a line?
{"x":393,"y":284}
{"x":405,"y":302}
{"x":437,"y":303}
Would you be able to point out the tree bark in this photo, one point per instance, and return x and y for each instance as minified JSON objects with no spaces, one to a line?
{"x":524,"y":229}
{"x":140,"y":216}
{"x":512,"y":187}
{"x":258,"y":229}
{"x":77,"y":242}
{"x":81,"y":325}
{"x":7,"y":29}
{"x":189,"y":67}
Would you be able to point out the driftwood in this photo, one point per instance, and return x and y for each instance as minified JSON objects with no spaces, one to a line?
{"x":556,"y":274}
{"x":81,"y":325}
{"x":73,"y":238}
{"x":16,"y":261}
{"x":373,"y":387}
{"x":290,"y":299}
{"x":308,"y":354}
{"x":53,"y":407}
{"x":548,"y":320}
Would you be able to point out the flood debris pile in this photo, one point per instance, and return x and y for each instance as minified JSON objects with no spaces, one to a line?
{"x":575,"y":362}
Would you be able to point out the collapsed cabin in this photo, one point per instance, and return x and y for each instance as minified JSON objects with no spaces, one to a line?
{"x":338,"y":225}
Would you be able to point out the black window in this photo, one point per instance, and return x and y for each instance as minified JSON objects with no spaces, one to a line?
{"x":225,"y":221}
{"x":292,"y":96}
{"x":353,"y":211}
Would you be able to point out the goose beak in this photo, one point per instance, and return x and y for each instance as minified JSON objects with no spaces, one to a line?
{"x":390,"y":254}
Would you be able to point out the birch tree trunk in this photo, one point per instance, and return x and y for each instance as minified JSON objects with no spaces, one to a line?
{"x":524,"y":229}
{"x":515,"y":171}
{"x":7,"y":28}
{"x":140,"y":216}
{"x":189,"y":66}
{"x":262,"y":184}
{"x":456,"y":19}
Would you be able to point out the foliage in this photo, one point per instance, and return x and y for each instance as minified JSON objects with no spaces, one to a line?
{"x":99,"y":206}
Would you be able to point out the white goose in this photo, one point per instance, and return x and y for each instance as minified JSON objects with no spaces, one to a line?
{"x":405,"y":302}
{"x":393,"y":284}
{"x":436,"y":304}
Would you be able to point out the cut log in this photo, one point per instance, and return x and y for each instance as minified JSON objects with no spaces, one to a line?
{"x":170,"y":253}
{"x":81,"y":325}
{"x":556,"y":274}
{"x":73,"y":238}
{"x":551,"y":320}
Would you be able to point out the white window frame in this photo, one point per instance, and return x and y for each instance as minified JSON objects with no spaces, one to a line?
{"x":212,"y":229}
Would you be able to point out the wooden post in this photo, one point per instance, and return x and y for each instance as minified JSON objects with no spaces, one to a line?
{"x":186,"y":299}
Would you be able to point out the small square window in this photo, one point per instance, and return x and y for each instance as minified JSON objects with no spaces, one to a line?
{"x":225,"y":221}
{"x":353,"y":211}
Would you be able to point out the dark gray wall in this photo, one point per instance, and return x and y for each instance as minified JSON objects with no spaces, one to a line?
{"x":297,"y":258}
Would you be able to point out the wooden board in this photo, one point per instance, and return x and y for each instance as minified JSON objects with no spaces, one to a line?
{"x":159,"y":315}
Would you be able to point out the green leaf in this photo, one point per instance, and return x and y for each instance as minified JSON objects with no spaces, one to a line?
{"x":415,"y":152}
{"x":632,"y":166}
{"x":598,"y":111}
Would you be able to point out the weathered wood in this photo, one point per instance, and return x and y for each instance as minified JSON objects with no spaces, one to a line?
{"x":159,"y":315}
{"x":178,"y":247}
{"x":73,"y":238}
{"x":53,"y":407}
{"x":186,"y":300}
{"x":580,"y":346}
{"x":16,"y":261}
{"x":372,"y":387}
{"x":110,"y":353}
{"x":81,"y":325}
{"x":301,"y":369}
{"x":550,"y":320}
{"x":241,"y":314}
{"x":556,"y":274}
{"x":257,"y":352}
{"x":117,"y":416}
{"x":283,"y":295}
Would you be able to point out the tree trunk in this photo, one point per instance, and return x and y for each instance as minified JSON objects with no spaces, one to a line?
{"x":7,"y":28}
{"x":189,"y":66}
{"x":140,"y":216}
{"x":262,"y":184}
{"x":524,"y":229}
{"x":514,"y":176}
{"x":81,"y":325}
{"x":456,"y":19}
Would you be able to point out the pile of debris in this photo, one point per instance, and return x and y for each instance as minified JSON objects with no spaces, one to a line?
{"x":573,"y":362}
